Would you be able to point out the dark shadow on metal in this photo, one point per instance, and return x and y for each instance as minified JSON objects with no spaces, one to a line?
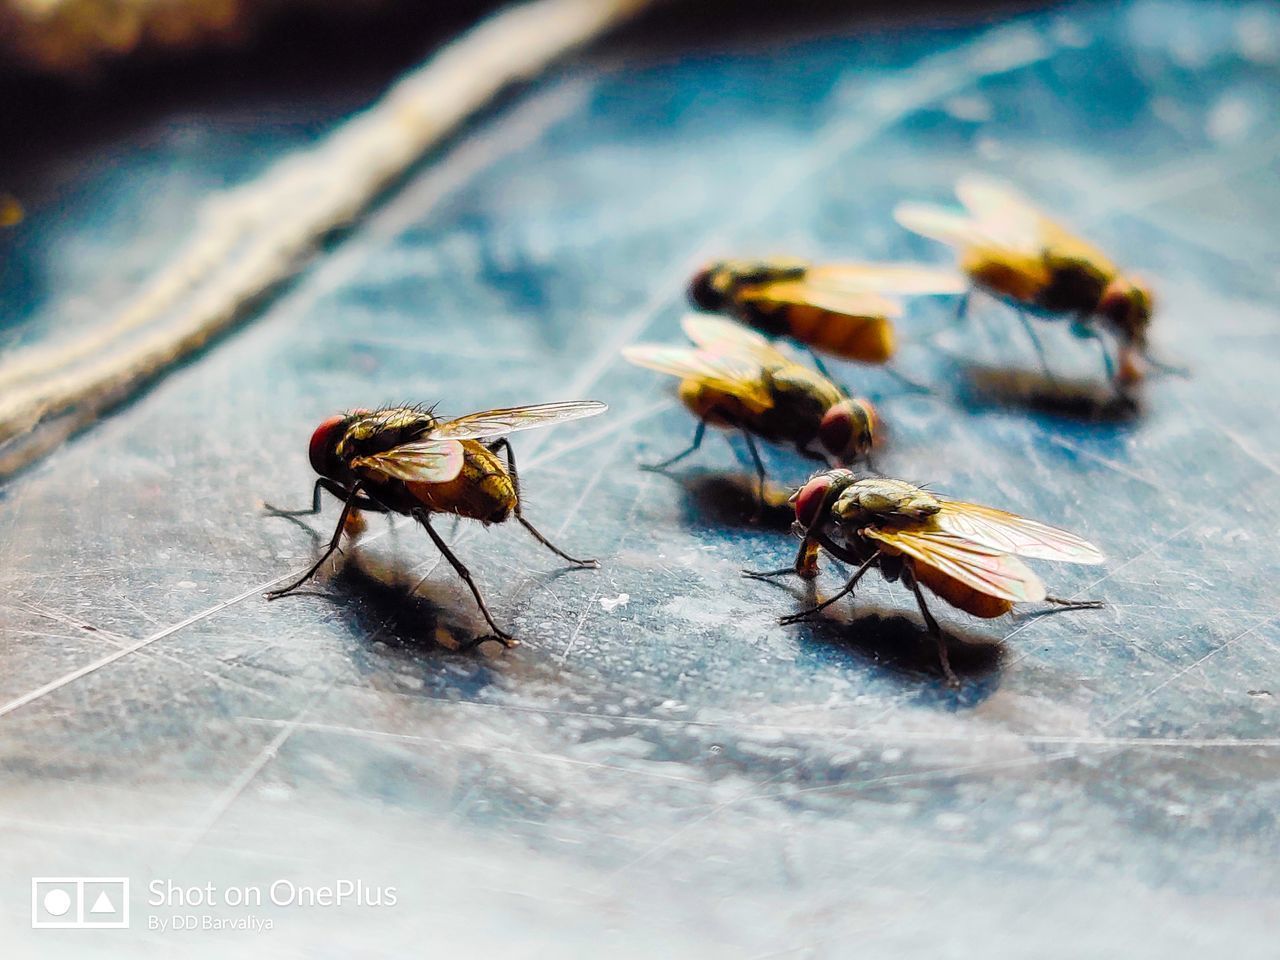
{"x":892,"y":640}
{"x":729,"y":500}
{"x":904,"y":649}
{"x":1079,"y":400}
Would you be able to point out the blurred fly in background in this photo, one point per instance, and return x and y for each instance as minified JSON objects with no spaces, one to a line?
{"x":1011,"y":250}
{"x":735,"y":379}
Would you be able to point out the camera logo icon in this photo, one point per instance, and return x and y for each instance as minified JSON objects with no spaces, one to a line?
{"x":79,"y":903}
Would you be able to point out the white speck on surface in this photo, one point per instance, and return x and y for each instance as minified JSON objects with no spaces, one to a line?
{"x":951,"y":821}
{"x":1069,"y":33}
{"x":971,"y":107}
{"x":610,"y":604}
{"x":1229,"y":119}
{"x":988,"y":148}
{"x":186,"y":584}
{"x":892,"y":755}
{"x":1029,"y":830}
{"x":1258,"y":35}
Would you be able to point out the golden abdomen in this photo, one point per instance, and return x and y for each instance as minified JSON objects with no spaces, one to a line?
{"x":716,"y":408}
{"x":1006,"y":279}
{"x":961,"y":595}
{"x":482,"y":491}
{"x":866,"y":339}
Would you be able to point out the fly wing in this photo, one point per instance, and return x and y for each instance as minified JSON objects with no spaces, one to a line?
{"x":1004,"y":210}
{"x":737,"y":375}
{"x":891,"y":278}
{"x":988,"y":571}
{"x":717,"y":336}
{"x":852,"y":302}
{"x":422,"y":461}
{"x":1011,"y":533}
{"x":947,"y":226}
{"x":500,"y":422}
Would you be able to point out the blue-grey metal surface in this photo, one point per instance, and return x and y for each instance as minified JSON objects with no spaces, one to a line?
{"x":661,"y":770}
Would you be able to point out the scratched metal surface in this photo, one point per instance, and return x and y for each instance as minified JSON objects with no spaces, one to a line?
{"x":660,"y":769}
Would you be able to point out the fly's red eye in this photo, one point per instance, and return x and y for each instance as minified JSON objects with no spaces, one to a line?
{"x":809,"y":500}
{"x":323,"y":440}
{"x":836,"y":430}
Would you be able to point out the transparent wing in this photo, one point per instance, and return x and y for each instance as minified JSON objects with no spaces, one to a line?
{"x":807,"y":293}
{"x":422,"y":461}
{"x":717,"y":335}
{"x":891,"y":278}
{"x":1002,"y":211}
{"x":1006,"y":212}
{"x":497,"y":423}
{"x":989,"y":571}
{"x":738,"y":376}
{"x":948,"y":226}
{"x":1011,"y":533}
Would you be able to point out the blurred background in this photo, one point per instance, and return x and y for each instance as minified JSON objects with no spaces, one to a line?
{"x":660,"y":769}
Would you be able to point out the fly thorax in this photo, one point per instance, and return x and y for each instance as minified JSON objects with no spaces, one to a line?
{"x":1074,"y":286}
{"x":880,"y":498}
{"x":801,"y":399}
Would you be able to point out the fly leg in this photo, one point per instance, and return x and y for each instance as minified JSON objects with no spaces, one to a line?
{"x":915,"y":386}
{"x":1035,"y":342}
{"x":324,"y":483}
{"x":515,"y":483}
{"x":1076,"y":604}
{"x":1168,"y":369}
{"x":932,"y":626}
{"x":958,"y":318}
{"x":806,"y":565}
{"x":844,"y":591}
{"x":353,"y":502}
{"x":505,"y":638}
{"x":698,"y":436}
{"x":1085,"y":330}
{"x":822,"y":369}
{"x":817,"y":363}
{"x":760,"y":472}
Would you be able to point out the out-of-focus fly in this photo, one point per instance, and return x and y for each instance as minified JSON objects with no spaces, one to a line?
{"x":735,"y":379}
{"x":965,"y":553}
{"x":11,"y":212}
{"x":843,"y":309}
{"x":1010,"y":249}
{"x":407,"y":460}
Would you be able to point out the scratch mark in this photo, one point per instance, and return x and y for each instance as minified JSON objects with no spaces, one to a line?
{"x":1249,"y":450}
{"x":237,"y":786}
{"x":1143,"y":697}
{"x":577,"y":631}
{"x":417,"y":739}
{"x":1110,"y":464}
{"x":750,"y":793}
{"x":1105,"y":577}
{"x":33,"y":695}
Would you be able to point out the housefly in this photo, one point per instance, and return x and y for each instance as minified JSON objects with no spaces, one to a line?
{"x":965,"y":553}
{"x":733,"y":378}
{"x":407,"y":460}
{"x":845,"y":310}
{"x":1010,"y":249}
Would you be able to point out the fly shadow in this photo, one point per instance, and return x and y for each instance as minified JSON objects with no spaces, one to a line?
{"x":899,"y":645}
{"x":1084,"y":400}
{"x":385,"y":602}
{"x":729,"y":500}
